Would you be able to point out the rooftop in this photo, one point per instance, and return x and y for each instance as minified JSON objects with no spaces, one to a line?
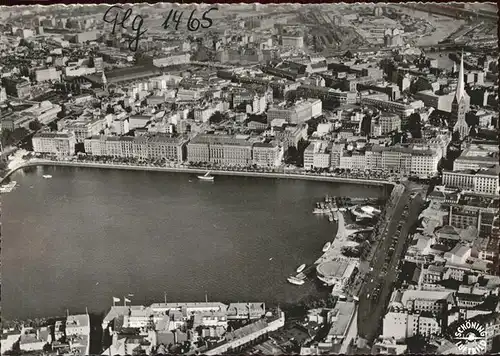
{"x":78,"y":320}
{"x":342,"y":314}
{"x":333,"y":268}
{"x":220,"y":140}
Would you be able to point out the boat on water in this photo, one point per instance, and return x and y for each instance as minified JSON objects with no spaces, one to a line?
{"x":330,"y":217}
{"x":296,"y":281}
{"x":360,"y":214}
{"x":47,"y":176}
{"x":301,"y":276}
{"x":301,"y":268}
{"x":206,"y":177}
{"x":335,"y":217}
{"x":327,"y":246}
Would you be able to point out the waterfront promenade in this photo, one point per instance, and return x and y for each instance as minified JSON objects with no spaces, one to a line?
{"x":17,"y":164}
{"x":340,"y":240}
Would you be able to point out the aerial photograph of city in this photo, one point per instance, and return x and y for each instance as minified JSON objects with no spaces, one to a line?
{"x":249,"y":179}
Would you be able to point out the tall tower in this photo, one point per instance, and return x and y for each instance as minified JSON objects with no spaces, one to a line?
{"x":104,"y":81}
{"x":460,"y":105}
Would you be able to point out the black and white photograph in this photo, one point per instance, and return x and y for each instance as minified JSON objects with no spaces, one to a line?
{"x":249,"y":179}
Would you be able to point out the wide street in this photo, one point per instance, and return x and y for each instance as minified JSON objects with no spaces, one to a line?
{"x":383,"y":269}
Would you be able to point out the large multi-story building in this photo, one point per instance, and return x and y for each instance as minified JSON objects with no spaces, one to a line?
{"x":58,"y":143}
{"x":267,"y":154}
{"x":172,"y":60}
{"x":401,"y":324}
{"x":158,"y":146}
{"x":220,"y":149}
{"x":329,"y":97}
{"x":336,"y":152}
{"x":402,"y":109}
{"x":317,"y":155}
{"x":45,"y":112}
{"x":476,"y":156}
{"x":83,"y":128}
{"x":291,"y":135}
{"x":354,"y":160}
{"x":483,"y":181}
{"x":389,"y":123}
{"x":19,"y":88}
{"x":424,"y":163}
{"x":294,"y":41}
{"x":408,"y":160}
{"x":52,"y":73}
{"x":83,"y":37}
{"x":298,"y":113}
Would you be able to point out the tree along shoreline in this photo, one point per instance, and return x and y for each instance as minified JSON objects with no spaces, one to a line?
{"x":197,"y":170}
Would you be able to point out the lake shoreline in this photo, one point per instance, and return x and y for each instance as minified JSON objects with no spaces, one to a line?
{"x":304,"y":176}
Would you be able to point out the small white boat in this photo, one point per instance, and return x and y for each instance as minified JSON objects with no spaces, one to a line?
{"x":330,"y":218}
{"x":295,"y":281}
{"x":47,"y":176}
{"x":327,"y":246}
{"x":301,"y":268}
{"x":207,"y":176}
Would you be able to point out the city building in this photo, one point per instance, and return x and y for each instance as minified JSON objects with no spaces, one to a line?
{"x":401,"y":325}
{"x":16,"y":87}
{"x":84,"y":37}
{"x":267,"y":154}
{"x":47,"y":74}
{"x":294,"y":41}
{"x":401,"y":109}
{"x":57,"y":143}
{"x":336,"y":273}
{"x":340,"y":318}
{"x":317,"y":155}
{"x":330,"y":98}
{"x":389,"y":123}
{"x":123,"y":76}
{"x":159,"y":146}
{"x":83,"y":128}
{"x":482,"y":181}
{"x":298,"y":113}
{"x":220,"y":149}
{"x":45,"y":112}
{"x":290,"y":135}
{"x":477,"y":156}
{"x":3,"y":94}
{"x":172,"y":60}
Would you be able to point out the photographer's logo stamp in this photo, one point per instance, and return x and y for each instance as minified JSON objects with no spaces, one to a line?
{"x":470,"y":338}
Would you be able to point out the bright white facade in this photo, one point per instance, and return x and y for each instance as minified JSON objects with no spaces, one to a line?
{"x":61,"y":143}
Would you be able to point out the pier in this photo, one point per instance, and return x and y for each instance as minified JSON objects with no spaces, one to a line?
{"x":334,"y":252}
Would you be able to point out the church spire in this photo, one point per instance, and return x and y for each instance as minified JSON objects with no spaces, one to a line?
{"x":460,"y":93}
{"x":104,"y":81}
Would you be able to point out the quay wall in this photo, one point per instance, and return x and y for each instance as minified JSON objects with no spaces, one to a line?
{"x":199,"y":171}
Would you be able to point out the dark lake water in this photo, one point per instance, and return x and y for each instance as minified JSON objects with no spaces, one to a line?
{"x":87,"y":235}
